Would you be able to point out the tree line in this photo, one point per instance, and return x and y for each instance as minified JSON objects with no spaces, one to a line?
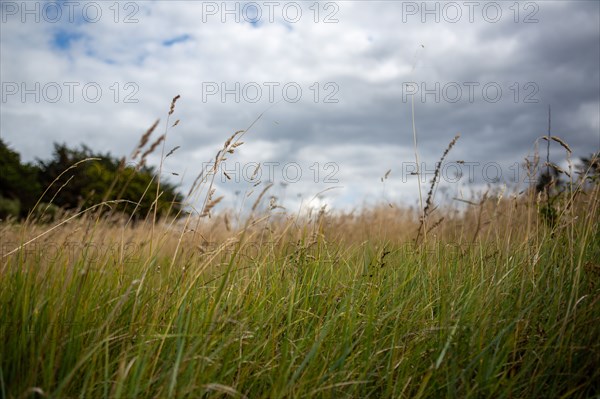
{"x":75,"y":179}
{"x":79,"y":178}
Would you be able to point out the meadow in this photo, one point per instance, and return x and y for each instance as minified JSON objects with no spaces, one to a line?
{"x":500,"y":299}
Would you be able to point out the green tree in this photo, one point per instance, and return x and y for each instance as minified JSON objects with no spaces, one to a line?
{"x":551,"y":186}
{"x":19,"y":185}
{"x":105,"y":178}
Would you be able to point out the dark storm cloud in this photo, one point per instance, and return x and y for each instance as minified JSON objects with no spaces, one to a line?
{"x":550,"y":63}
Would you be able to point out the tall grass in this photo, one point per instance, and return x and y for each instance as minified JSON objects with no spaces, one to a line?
{"x":496,"y":303}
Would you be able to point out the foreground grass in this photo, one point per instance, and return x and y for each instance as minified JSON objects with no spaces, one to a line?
{"x":306,"y":311}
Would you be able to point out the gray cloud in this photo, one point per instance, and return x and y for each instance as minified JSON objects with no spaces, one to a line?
{"x":367,"y":58}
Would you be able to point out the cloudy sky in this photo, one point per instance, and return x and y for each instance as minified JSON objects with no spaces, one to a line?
{"x":335,"y":83}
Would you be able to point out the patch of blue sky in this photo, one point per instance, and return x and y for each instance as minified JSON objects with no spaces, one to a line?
{"x":69,"y":12}
{"x":63,"y":39}
{"x":253,"y":14}
{"x":288,"y":26}
{"x":176,"y":40}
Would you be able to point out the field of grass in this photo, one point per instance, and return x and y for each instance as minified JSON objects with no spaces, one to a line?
{"x":495,"y":301}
